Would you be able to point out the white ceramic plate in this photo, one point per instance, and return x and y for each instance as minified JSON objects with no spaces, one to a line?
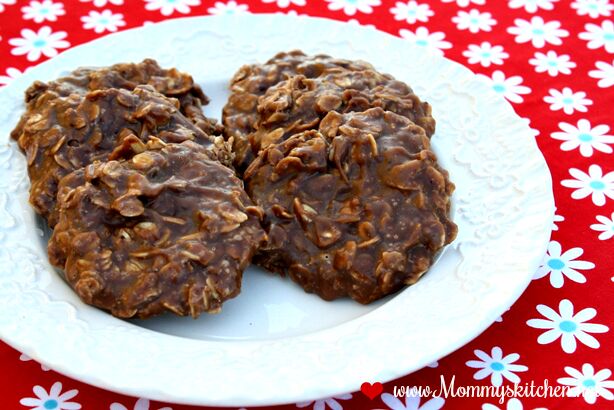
{"x":274,"y":343}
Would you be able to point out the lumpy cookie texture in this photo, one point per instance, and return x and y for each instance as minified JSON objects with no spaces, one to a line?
{"x":170,"y":82}
{"x":240,"y":114}
{"x":343,"y":193}
{"x":299,"y":103}
{"x":60,"y":134}
{"x":358,"y":208}
{"x":168,"y":230}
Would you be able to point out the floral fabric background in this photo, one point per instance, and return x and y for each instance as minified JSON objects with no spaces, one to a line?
{"x":553,"y":60}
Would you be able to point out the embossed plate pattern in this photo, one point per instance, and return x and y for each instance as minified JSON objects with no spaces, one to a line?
{"x":503,"y":206}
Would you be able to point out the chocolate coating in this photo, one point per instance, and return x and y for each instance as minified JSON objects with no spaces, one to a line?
{"x":170,"y":82}
{"x":299,"y":103}
{"x":60,"y":134}
{"x":239,"y":115}
{"x":358,"y":209}
{"x":168,"y":230}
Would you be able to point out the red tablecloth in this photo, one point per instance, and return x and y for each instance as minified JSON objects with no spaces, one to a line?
{"x":553,"y":59}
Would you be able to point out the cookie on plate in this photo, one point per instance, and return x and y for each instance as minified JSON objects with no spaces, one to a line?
{"x":62,"y":134}
{"x":299,"y":103}
{"x":168,"y":230}
{"x":239,"y":115}
{"x":170,"y":82}
{"x":359,"y":208}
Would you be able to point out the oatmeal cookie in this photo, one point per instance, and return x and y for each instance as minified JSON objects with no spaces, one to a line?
{"x":168,"y":230}
{"x":239,"y":115}
{"x":62,"y":134}
{"x":358,"y":208}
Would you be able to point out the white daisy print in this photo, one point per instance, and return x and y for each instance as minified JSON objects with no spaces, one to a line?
{"x":605,"y":226}
{"x":566,"y":326}
{"x":40,"y":11}
{"x":485,"y":54}
{"x":588,"y":384}
{"x":557,"y":218}
{"x":35,"y":44}
{"x":321,"y":404}
{"x":25,"y":358}
{"x":599,"y":36}
{"x":474,"y":21}
{"x":52,"y":400}
{"x":11,"y":74}
{"x":102,"y":3}
{"x":411,"y":12}
{"x":231,"y":7}
{"x":531,"y":6}
{"x":6,"y":2}
{"x":434,"y":42}
{"x":552,"y":63}
{"x":105,"y":21}
{"x":559,"y":265}
{"x":594,"y":184}
{"x":585,"y":137}
{"x":285,"y":3}
{"x":168,"y":7}
{"x":141,"y":404}
{"x":538,"y":32}
{"x":511,"y":88}
{"x":604,"y":72}
{"x":593,"y":8}
{"x":412,"y":402}
{"x":465,"y":3}
{"x":496,"y":366}
{"x":350,"y":7}
{"x":567,"y":100}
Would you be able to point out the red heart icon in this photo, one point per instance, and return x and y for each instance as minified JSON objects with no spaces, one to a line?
{"x":371,"y":390}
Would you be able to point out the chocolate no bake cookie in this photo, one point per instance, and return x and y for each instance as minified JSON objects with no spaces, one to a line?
{"x":168,"y":230}
{"x":358,"y":208}
{"x":342,"y":190}
{"x":62,"y":134}
{"x":239,"y":115}
{"x":170,"y":82}
{"x":299,"y":103}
